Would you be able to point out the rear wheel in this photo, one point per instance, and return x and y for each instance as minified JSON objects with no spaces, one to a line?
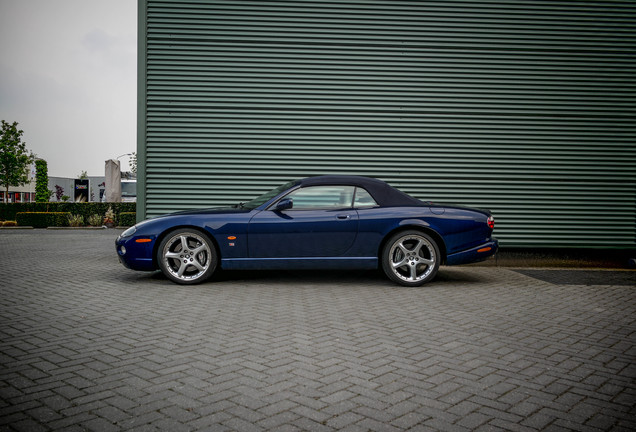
{"x":187,"y":256}
{"x":411,"y":258}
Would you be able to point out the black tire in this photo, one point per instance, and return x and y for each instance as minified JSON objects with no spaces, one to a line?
{"x":187,"y":256}
{"x":411,"y":258}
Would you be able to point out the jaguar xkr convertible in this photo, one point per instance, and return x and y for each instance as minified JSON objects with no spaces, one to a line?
{"x":325,"y":222}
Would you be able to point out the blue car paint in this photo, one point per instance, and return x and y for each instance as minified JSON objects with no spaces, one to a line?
{"x":302,"y":234}
{"x":263,"y":238}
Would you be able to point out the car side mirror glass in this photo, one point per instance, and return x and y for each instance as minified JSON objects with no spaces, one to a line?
{"x":284,"y":204}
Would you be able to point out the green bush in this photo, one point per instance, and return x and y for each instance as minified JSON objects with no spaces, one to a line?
{"x":42,"y":219}
{"x":75,"y":220}
{"x":95,"y":220}
{"x":127,"y":219}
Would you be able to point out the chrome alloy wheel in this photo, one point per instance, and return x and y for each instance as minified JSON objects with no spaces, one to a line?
{"x":187,"y":257}
{"x":411,"y":258}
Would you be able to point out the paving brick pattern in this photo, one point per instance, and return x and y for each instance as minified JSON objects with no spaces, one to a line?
{"x":583,"y":277}
{"x":88,"y":345}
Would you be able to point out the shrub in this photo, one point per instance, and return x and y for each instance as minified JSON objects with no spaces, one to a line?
{"x":42,"y":219}
{"x":75,"y":220}
{"x":95,"y":220}
{"x":9,"y":223}
{"x":127,"y":218}
{"x":109,"y":216}
{"x":59,"y":192}
{"x":8,"y":210}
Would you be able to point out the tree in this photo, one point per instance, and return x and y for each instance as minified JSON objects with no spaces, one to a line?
{"x":83,"y":175}
{"x":14,"y":157}
{"x":59,"y":192}
{"x":133,"y":163}
{"x":42,"y":192}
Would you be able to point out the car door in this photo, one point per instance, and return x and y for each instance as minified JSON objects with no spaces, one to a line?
{"x":320,"y":223}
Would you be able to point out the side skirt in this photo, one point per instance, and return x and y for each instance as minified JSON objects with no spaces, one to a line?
{"x":310,"y":263}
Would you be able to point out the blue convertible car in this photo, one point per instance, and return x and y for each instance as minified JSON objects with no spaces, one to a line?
{"x":325,"y":222}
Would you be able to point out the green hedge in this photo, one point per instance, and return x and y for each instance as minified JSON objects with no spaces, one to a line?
{"x":127,"y":219}
{"x":8,"y":211}
{"x":42,"y":219}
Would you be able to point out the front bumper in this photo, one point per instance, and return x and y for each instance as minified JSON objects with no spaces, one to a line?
{"x":134,"y":255}
{"x":476,"y":254}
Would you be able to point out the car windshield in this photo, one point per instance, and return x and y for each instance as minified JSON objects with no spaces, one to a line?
{"x":250,"y":205}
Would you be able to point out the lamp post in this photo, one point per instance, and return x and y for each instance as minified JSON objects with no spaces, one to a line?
{"x":125,"y":154}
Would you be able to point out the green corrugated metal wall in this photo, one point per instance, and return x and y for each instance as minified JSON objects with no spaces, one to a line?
{"x":523,"y":107}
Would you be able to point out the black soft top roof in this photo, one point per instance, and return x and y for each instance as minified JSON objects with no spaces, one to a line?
{"x":383,"y":193}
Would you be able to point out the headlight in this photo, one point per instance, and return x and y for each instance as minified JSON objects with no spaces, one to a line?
{"x":130,"y":231}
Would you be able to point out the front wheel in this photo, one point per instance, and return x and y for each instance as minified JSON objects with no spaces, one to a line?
{"x":187,"y":256}
{"x":411,"y":258}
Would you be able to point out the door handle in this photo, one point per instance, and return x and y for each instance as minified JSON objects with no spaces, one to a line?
{"x":343,"y":217}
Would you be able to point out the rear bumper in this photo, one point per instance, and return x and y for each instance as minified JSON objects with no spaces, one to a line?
{"x":476,"y":254}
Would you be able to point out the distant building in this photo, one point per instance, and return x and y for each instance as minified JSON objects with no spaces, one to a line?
{"x":95,"y":188}
{"x":25,"y":193}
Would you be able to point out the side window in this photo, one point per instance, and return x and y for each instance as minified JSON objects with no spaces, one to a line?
{"x":322,"y":197}
{"x":363,"y":199}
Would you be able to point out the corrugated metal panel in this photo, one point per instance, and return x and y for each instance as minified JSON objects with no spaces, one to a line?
{"x":525,"y":107}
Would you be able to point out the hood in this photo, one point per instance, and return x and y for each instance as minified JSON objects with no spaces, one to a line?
{"x":213,"y":210}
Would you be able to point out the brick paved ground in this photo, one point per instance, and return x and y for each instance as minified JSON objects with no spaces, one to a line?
{"x":88,"y":345}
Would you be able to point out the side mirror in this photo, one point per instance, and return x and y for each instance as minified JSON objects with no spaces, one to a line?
{"x":284,"y":204}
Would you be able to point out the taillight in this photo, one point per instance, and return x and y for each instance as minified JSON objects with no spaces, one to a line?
{"x":491,"y":222}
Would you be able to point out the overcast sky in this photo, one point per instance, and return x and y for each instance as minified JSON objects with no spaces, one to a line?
{"x":68,"y":76}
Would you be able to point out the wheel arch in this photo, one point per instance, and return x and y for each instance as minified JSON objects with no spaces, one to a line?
{"x":167,"y":231}
{"x":424,"y":229}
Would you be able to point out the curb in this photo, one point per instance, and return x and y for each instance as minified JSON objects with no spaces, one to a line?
{"x":76,"y":228}
{"x":85,"y":228}
{"x":62,"y":228}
